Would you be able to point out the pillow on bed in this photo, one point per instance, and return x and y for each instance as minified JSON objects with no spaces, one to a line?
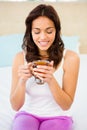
{"x":11,"y":44}
{"x":71,"y":42}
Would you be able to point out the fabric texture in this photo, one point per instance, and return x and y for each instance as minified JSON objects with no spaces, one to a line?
{"x":26,"y":121}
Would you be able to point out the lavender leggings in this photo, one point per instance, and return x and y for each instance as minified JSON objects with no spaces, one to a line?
{"x":26,"y":121}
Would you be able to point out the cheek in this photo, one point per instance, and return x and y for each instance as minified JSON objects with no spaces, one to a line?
{"x":52,"y":37}
{"x":34,"y":37}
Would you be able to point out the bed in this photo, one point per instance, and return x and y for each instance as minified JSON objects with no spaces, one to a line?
{"x":9,"y":46}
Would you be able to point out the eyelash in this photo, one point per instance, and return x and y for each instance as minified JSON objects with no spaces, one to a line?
{"x":36,"y":32}
{"x":49,"y":32}
{"x":39,"y":32}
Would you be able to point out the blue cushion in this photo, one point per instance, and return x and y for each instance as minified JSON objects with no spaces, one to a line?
{"x":71,"y":42}
{"x":11,"y":44}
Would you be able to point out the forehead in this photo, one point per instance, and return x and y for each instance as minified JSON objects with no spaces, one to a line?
{"x":42,"y":21}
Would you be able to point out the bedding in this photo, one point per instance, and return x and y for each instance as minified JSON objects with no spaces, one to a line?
{"x":79,"y":107}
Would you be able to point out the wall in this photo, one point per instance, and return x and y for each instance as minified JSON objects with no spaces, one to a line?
{"x":73,"y":17}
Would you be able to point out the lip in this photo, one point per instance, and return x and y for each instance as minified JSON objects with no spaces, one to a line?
{"x":43,"y":43}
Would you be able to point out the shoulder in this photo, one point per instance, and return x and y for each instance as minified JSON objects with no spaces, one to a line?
{"x":71,"y":55}
{"x":71,"y":59}
{"x":19,"y":58}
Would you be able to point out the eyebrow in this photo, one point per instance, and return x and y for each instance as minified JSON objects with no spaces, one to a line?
{"x":46,"y":28}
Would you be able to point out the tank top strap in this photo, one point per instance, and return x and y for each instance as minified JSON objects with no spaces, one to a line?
{"x":25,"y":62}
{"x":62,"y":62}
{"x":64,"y":52}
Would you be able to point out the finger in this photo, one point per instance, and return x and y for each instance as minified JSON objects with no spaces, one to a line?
{"x":29,"y":64}
{"x":43,"y":69}
{"x":51,"y":63}
{"x":23,"y":71}
{"x":43,"y":75}
{"x":24,"y":75}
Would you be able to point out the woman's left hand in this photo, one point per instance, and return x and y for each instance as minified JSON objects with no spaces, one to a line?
{"x":44,"y":72}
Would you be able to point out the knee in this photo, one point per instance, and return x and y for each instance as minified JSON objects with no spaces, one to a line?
{"x":25,"y":122}
{"x":56,"y":124}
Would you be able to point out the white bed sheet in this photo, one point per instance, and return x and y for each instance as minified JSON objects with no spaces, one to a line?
{"x":79,"y":106}
{"x":6,"y":112}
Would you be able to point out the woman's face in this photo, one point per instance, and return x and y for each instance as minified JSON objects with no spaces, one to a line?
{"x":43,"y":32}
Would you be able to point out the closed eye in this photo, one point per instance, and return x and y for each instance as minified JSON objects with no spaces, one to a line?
{"x":49,"y":32}
{"x":37,"y":32}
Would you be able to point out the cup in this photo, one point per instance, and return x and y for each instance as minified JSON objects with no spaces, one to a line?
{"x":39,"y":80}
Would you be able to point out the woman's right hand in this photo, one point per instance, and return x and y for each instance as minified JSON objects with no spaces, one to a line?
{"x":25,"y":72}
{"x":20,"y":74}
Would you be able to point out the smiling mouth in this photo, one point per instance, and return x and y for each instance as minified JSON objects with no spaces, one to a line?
{"x":43,"y":43}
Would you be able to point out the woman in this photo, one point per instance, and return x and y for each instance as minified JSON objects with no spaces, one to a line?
{"x":48,"y":104}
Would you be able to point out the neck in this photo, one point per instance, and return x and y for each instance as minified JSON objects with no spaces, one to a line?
{"x":44,"y":54}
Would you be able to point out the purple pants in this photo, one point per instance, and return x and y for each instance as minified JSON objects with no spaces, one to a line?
{"x":26,"y":121}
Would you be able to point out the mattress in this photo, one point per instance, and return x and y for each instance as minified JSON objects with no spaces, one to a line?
{"x":79,"y":107}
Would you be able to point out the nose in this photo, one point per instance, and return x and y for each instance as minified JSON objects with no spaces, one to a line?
{"x":43,"y":35}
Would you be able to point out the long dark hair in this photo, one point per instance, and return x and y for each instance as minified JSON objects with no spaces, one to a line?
{"x":55,"y":52}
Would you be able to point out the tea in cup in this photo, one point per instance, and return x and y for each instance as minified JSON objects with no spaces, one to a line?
{"x":39,"y":80}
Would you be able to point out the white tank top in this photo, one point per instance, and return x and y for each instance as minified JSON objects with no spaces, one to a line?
{"x":39,"y":99}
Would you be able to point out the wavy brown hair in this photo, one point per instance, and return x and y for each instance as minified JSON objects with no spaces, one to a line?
{"x":55,"y":52}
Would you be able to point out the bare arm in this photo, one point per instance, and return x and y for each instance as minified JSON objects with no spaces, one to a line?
{"x":20,"y":74}
{"x":63,"y":95}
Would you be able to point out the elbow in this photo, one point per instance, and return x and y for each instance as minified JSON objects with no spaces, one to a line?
{"x":15,"y":106}
{"x":67,"y":106}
